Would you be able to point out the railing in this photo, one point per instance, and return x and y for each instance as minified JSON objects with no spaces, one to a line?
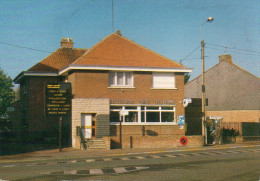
{"x":82,"y":140}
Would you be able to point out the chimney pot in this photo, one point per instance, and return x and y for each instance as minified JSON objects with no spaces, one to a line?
{"x":226,"y":58}
{"x":66,"y":43}
{"x":118,"y":32}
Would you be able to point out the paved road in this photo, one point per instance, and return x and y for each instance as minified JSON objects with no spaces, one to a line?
{"x":237,"y":163}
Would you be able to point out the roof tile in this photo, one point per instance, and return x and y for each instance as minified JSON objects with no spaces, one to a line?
{"x":116,"y":50}
{"x":58,"y":59}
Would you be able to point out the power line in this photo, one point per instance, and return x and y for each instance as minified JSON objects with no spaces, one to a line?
{"x":19,"y":46}
{"x":232,"y":50}
{"x":239,"y":49}
{"x":185,"y":58}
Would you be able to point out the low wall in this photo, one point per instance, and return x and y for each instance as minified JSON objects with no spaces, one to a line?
{"x":153,"y":141}
{"x":237,"y":115}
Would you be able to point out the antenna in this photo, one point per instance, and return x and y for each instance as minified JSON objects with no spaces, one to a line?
{"x":113,"y":16}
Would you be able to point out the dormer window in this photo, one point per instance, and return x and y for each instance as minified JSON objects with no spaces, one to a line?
{"x":120,"y":79}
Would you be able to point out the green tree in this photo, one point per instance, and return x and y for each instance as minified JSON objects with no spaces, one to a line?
{"x":186,"y":78}
{"x":6,"y":93}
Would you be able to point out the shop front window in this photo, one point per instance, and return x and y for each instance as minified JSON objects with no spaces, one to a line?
{"x":143,"y":114}
{"x":153,"y":117}
{"x":114,"y":116}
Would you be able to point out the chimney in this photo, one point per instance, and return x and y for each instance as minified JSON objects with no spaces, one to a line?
{"x":118,"y":32}
{"x":227,"y":58}
{"x":66,"y":42}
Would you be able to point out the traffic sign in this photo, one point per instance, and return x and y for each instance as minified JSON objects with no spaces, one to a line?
{"x":183,"y":140}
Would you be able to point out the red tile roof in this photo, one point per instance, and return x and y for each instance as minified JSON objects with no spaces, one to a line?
{"x":58,"y":59}
{"x":116,"y":50}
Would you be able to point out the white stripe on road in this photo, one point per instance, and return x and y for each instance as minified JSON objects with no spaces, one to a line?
{"x":9,"y":165}
{"x":170,"y":155}
{"x":120,"y":170}
{"x":107,"y":159}
{"x":140,"y":157}
{"x":124,"y":158}
{"x":91,"y":160}
{"x":95,"y":171}
{"x":70,"y":172}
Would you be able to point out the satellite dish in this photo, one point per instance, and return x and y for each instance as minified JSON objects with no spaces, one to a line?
{"x":185,"y":102}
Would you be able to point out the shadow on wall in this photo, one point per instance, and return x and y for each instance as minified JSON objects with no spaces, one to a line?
{"x":151,"y":133}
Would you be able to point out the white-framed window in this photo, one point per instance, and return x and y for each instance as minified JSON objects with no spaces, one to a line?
{"x":163,"y":80}
{"x":143,"y":114}
{"x":120,"y":79}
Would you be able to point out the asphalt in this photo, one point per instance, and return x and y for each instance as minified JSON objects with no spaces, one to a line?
{"x":71,"y":153}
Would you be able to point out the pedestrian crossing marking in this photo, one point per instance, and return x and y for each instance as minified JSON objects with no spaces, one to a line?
{"x":140,"y":157}
{"x":70,"y":172}
{"x":95,"y":172}
{"x":107,"y":159}
{"x":129,"y":157}
{"x":120,"y":170}
{"x":125,"y":158}
{"x":90,"y":160}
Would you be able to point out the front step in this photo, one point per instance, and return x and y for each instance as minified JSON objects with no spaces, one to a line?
{"x":95,"y":143}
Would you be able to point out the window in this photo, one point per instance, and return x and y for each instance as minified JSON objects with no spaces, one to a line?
{"x":165,"y":80}
{"x":120,"y":79}
{"x":143,"y":114}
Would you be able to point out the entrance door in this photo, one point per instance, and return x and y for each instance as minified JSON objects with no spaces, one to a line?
{"x":86,"y":125}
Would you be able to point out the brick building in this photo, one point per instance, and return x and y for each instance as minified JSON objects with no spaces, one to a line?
{"x":232,"y":92}
{"x":114,"y":76}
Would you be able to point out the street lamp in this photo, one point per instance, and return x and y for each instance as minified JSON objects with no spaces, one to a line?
{"x":203,"y":101}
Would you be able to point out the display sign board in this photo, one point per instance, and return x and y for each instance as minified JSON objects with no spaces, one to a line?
{"x":124,"y":113}
{"x":58,"y":99}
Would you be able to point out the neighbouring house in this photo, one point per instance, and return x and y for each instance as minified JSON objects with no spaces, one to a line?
{"x":117,"y":79}
{"x":233,"y":93}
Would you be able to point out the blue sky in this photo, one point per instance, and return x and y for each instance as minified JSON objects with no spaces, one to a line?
{"x":168,"y":27}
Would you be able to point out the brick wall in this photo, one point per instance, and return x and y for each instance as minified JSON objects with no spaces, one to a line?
{"x":150,"y":136}
{"x":237,"y":115}
{"x":233,"y":118}
{"x":34,"y":103}
{"x":96,"y":106}
{"x":155,"y":141}
{"x":147,"y":130}
{"x":94,"y":84}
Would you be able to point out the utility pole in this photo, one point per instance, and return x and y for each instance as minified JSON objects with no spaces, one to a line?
{"x":204,"y":132}
{"x":203,"y":89}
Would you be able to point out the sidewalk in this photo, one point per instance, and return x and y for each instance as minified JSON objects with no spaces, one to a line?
{"x":70,"y":153}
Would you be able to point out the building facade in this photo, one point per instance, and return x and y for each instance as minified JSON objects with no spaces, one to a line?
{"x":232,"y":92}
{"x":119,"y":90}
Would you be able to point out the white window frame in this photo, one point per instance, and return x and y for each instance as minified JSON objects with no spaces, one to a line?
{"x":140,"y":111}
{"x":115,"y":79}
{"x":164,"y":77}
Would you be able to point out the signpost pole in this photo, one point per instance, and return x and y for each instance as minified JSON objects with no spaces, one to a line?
{"x":120,"y":130}
{"x":60,"y":133}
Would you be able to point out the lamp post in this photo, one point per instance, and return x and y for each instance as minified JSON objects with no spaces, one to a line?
{"x":203,"y":100}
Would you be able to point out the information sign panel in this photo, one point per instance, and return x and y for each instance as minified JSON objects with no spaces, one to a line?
{"x":181,"y":119}
{"x":58,"y":99}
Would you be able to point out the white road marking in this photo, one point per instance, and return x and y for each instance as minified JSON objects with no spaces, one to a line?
{"x":91,"y":160}
{"x":120,"y":170}
{"x":140,"y":157}
{"x":95,"y":171}
{"x":107,"y":159}
{"x":124,"y":158}
{"x":70,"y":172}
